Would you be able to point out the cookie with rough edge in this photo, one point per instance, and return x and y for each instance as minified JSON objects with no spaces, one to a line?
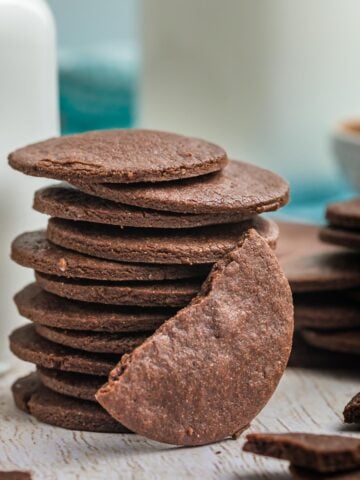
{"x":344,"y":214}
{"x":194,"y":246}
{"x":240,"y":188}
{"x":172,"y":293}
{"x":123,"y":156}
{"x":29,"y":346}
{"x":326,"y":311}
{"x":341,"y":236}
{"x":345,"y":341}
{"x":33,"y":250}
{"x":76,"y":385}
{"x":310,"y":264}
{"x":53,"y":311}
{"x":320,"y":453}
{"x":99,"y":342}
{"x":352,"y":410}
{"x":62,"y":411}
{"x":209,"y":370}
{"x":64,"y":201}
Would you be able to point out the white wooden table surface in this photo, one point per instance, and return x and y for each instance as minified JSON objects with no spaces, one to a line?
{"x":309,"y":401}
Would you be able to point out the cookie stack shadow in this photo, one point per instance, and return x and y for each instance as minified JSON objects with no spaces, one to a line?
{"x":323,"y":268}
{"x":118,"y":259}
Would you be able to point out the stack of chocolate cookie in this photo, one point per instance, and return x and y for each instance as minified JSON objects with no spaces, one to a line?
{"x":128,"y":244}
{"x":325,"y":279}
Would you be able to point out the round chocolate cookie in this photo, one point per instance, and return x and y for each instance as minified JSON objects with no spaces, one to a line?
{"x":240,"y":187}
{"x":326,"y":311}
{"x":344,"y":214}
{"x":52,"y":408}
{"x":122,"y":156}
{"x":33,"y":250}
{"x":100,"y":342}
{"x":27,"y":345}
{"x":174,"y":293}
{"x":346,"y":341}
{"x":76,"y":385}
{"x":310,"y":264}
{"x":47,"y":309}
{"x":194,"y":246}
{"x":341,"y":236}
{"x":64,"y":201}
{"x":208,"y":371}
{"x":304,"y":355}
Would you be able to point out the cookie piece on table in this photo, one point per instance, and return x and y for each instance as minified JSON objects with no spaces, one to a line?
{"x":99,"y":342}
{"x":209,"y":370}
{"x":33,"y":250}
{"x":47,"y":309}
{"x":194,"y":246}
{"x":64,"y":201}
{"x":29,"y":346}
{"x":321,"y":453}
{"x":52,"y":408}
{"x":352,"y":410}
{"x":122,"y":156}
{"x":239,"y":188}
{"x":172,"y":293}
{"x":311,"y":265}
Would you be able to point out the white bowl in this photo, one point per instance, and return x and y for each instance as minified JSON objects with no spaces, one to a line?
{"x":346,"y":142}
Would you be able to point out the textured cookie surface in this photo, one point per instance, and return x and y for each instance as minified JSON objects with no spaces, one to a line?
{"x":76,"y":385}
{"x":239,"y":187}
{"x":352,"y":410}
{"x":344,"y":214}
{"x":310,"y":264}
{"x":346,"y":341}
{"x":33,"y":250}
{"x":322,"y":453}
{"x":29,"y":346}
{"x":211,"y":368}
{"x":341,"y":236}
{"x":194,"y":246}
{"x":172,"y":293}
{"x":92,"y":341}
{"x":49,"y":407}
{"x":47,"y":309}
{"x":64,"y":201}
{"x":326,"y":311}
{"x":119,"y":156}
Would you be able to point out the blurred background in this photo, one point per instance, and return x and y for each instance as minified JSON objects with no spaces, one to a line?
{"x":266,"y":80}
{"x":269,"y":80}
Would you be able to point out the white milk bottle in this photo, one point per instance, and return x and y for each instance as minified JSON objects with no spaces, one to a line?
{"x":28,"y":113}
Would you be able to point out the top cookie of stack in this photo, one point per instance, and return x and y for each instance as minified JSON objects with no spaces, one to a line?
{"x":145,"y":217}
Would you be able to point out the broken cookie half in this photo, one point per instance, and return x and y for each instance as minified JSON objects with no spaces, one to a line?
{"x":210,"y":369}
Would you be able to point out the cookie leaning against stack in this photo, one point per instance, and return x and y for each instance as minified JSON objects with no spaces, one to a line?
{"x":126,"y":247}
{"x":323,"y":278}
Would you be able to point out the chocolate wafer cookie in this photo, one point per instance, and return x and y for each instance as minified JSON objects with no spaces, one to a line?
{"x":172,"y":293}
{"x":346,"y":341}
{"x":344,"y":214}
{"x":119,"y":156}
{"x":194,"y":246}
{"x":239,"y":188}
{"x":33,"y":250}
{"x":47,"y":309}
{"x":29,"y":346}
{"x":119,"y":343}
{"x":78,"y":385}
{"x":64,"y":201}
{"x":206,"y":372}
{"x":50,"y":407}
